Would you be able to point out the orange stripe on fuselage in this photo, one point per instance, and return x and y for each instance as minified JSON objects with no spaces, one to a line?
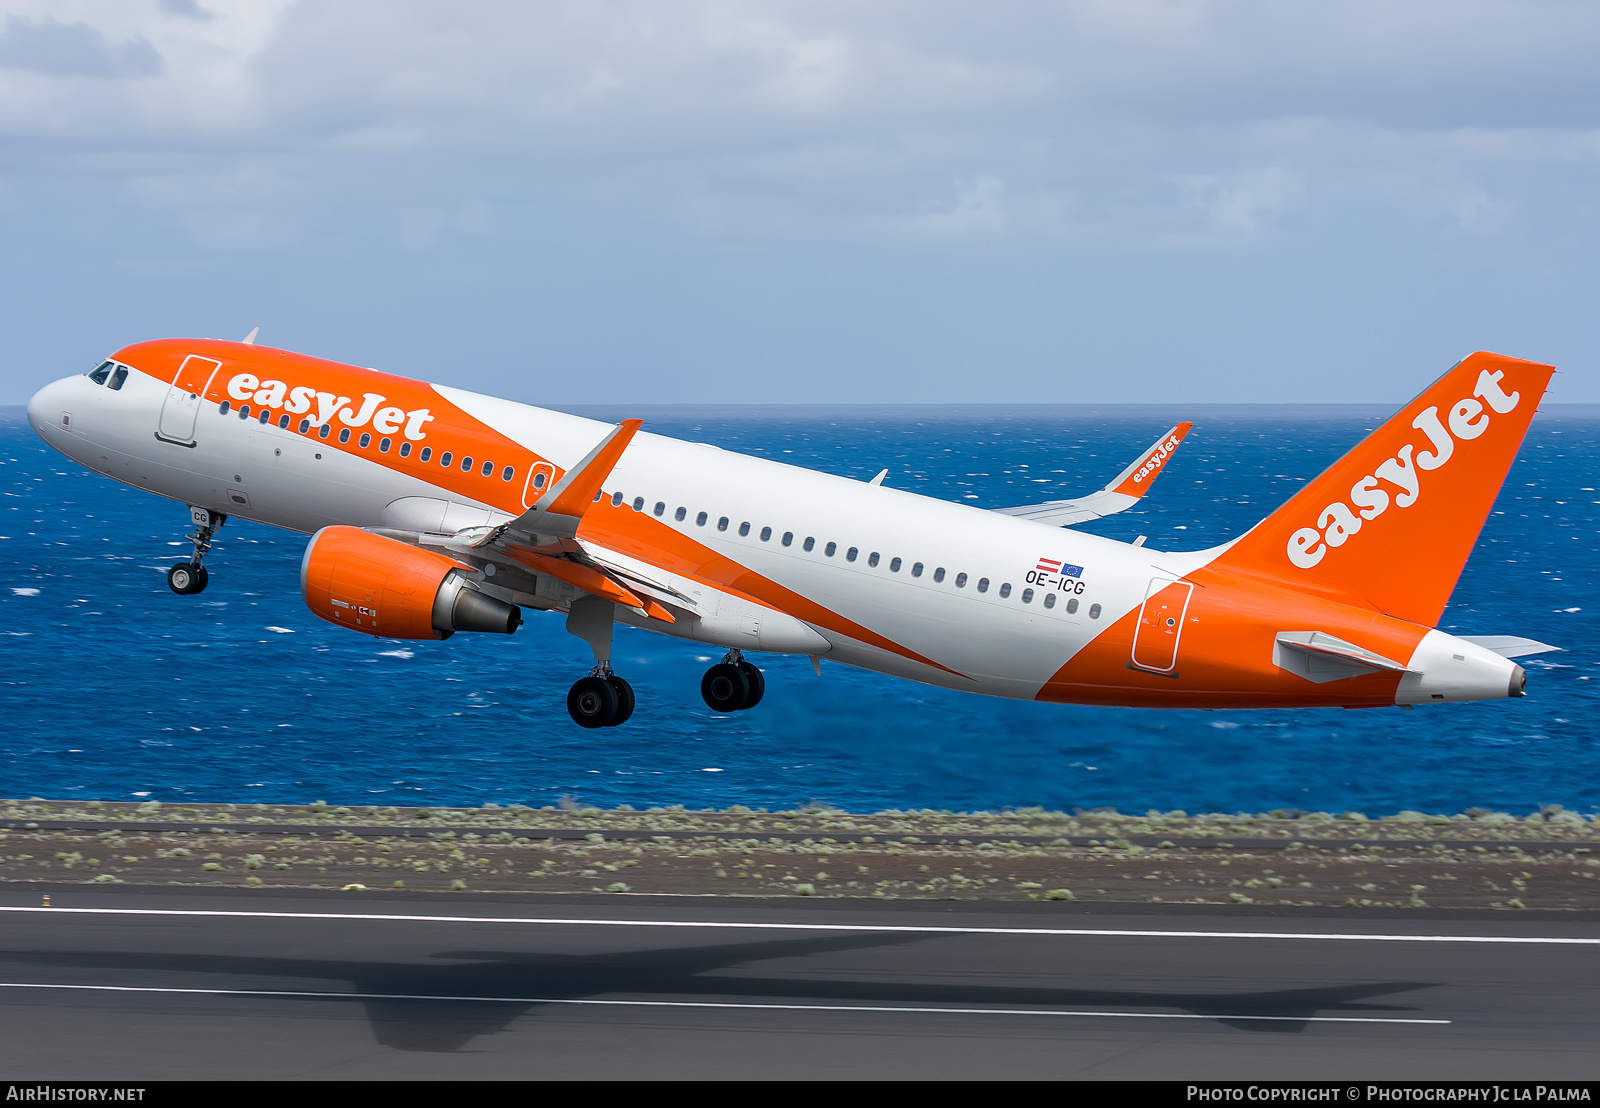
{"x":639,"y":536}
{"x":1224,"y":657}
{"x":463,"y":435}
{"x":446,"y":429}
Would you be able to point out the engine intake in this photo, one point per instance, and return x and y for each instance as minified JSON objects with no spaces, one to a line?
{"x":384,"y":588}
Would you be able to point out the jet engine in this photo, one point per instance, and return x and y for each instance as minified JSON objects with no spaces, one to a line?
{"x":382,"y":587}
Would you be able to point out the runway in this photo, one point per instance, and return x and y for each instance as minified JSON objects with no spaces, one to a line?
{"x":131,"y":985}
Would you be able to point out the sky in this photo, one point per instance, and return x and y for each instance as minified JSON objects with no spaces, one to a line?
{"x":650,"y":201}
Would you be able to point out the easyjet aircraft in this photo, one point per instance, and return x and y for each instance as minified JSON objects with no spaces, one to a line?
{"x":433,"y":510}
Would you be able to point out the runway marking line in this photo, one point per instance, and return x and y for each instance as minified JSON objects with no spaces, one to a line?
{"x":871,"y":928}
{"x":314,"y":995}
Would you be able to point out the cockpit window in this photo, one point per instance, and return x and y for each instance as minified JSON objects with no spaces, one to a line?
{"x":100,"y":373}
{"x":118,"y":377}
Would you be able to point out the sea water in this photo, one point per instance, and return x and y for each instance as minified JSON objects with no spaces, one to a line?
{"x":113,"y":688}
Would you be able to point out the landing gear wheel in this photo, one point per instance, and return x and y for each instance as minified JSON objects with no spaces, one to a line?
{"x":758,"y":685}
{"x":186,"y":578}
{"x":624,"y":693}
{"x":725,"y":688}
{"x":592,"y":702}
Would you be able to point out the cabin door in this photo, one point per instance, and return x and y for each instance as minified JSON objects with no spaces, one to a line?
{"x":1155,"y":637}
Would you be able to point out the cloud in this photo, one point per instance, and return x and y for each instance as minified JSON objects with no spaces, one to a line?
{"x":73,"y":50}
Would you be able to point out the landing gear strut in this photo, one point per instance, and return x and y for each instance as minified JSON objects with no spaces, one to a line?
{"x":732,"y":685}
{"x":188,"y":578}
{"x":601,"y":699}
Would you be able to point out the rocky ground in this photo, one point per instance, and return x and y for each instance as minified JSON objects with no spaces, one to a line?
{"x":1546,"y":860}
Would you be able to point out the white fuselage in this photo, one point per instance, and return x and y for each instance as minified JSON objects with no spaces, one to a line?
{"x":991,"y":633}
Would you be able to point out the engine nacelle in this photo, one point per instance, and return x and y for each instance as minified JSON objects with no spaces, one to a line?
{"x":384,"y":588}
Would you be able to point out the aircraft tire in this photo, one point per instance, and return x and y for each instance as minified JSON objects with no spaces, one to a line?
{"x":725,"y":688}
{"x":592,"y":702}
{"x":758,"y":685}
{"x":186,"y":578}
{"x":625,"y":700}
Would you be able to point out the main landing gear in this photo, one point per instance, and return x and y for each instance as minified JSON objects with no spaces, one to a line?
{"x":188,"y":578}
{"x":732,"y":685}
{"x":601,"y":699}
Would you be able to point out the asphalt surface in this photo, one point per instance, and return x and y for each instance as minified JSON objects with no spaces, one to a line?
{"x":139,"y":984}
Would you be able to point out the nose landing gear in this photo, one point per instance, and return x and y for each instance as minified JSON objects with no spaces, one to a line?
{"x":732,"y":685}
{"x":188,"y":578}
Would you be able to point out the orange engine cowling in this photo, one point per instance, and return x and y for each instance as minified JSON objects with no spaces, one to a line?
{"x":382,"y":587}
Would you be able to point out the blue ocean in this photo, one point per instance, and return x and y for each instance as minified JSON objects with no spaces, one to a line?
{"x":113,"y":688}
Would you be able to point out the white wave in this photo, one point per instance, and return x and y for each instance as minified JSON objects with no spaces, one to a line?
{"x":278,"y":630}
{"x":24,"y":592}
{"x":397,"y":653}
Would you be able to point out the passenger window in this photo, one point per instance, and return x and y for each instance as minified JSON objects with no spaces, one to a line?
{"x":766,"y":533}
{"x":680,"y":513}
{"x":638,"y":503}
{"x":1094,"y":611}
{"x":344,"y":436}
{"x":263,"y":417}
{"x":616,"y":499}
{"x":744,"y":529}
{"x":850,"y":555}
{"x":983,"y":584}
{"x":383,"y":446}
{"x":1049,"y":600}
{"x":244,"y":411}
{"x":872,"y":559}
{"x":487,"y":470}
{"x":722,"y":524}
{"x":830,"y":548}
{"x":427,"y":452}
{"x":938,"y":575}
{"x":1027,"y":596}
{"x":508,"y":473}
{"x":894,"y":565}
{"x":1005,"y":590}
{"x":700,"y":520}
{"x":661,"y":507}
{"x":225,"y":407}
{"x":788,"y":538}
{"x":444,"y":459}
{"x":322,"y":432}
{"x":961,"y":580}
{"x":809,"y":544}
{"x":283,"y":423}
{"x":916,"y":570}
{"x":100,"y":372}
{"x":405,"y":448}
{"x":466,"y":464}
{"x":1072,"y":605}
{"x":365,"y":440}
{"x":117,"y":378}
{"x":305,"y":425}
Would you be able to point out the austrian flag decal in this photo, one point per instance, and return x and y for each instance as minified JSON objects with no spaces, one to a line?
{"x":1051,"y":566}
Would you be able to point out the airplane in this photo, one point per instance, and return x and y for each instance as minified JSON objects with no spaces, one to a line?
{"x":433,"y":510}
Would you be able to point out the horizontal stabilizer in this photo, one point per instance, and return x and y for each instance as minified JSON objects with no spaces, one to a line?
{"x":1121,"y":494}
{"x":1509,"y":646}
{"x":1320,"y":657}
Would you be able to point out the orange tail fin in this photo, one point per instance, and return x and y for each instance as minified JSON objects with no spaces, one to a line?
{"x":1390,"y":525}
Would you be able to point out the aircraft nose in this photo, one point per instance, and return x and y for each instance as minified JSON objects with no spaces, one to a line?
{"x":47,"y":406}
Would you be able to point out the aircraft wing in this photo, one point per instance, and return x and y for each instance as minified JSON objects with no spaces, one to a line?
{"x":1121,"y":494}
